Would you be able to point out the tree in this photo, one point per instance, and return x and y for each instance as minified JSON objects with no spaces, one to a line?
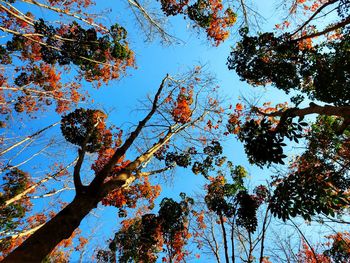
{"x":87,"y":129}
{"x":318,"y":70}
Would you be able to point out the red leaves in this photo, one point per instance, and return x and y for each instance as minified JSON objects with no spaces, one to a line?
{"x":206,"y":14}
{"x":182,"y":111}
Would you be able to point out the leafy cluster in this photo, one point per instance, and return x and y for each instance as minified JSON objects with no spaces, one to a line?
{"x":15,"y":182}
{"x":340,"y":249}
{"x":84,"y":127}
{"x":315,"y":189}
{"x":213,"y":156}
{"x":141,"y":239}
{"x":76,"y":45}
{"x":182,"y":109}
{"x":246,"y":214}
{"x":316,"y":184}
{"x":180,"y":159}
{"x":207,"y":14}
{"x":263,"y":142}
{"x":322,"y":72}
{"x":232,"y":199}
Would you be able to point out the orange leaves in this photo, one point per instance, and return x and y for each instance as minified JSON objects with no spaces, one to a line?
{"x":129,"y":197}
{"x":205,"y":14}
{"x":239,"y":107}
{"x":306,"y":255}
{"x":217,"y":29}
{"x":182,"y":112}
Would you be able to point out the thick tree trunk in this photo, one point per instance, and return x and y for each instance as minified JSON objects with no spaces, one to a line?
{"x":60,"y":227}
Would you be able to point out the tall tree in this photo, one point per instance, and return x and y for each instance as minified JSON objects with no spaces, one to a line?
{"x":178,"y":102}
{"x":315,"y":69}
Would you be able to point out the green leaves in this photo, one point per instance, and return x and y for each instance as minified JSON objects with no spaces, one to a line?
{"x":322,"y":72}
{"x":85,"y":129}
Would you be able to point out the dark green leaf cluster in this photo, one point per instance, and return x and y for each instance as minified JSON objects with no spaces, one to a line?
{"x":172,"y":8}
{"x":217,"y":198}
{"x":339,"y":252}
{"x":246,"y":214}
{"x":263,"y":144}
{"x":213,"y":157}
{"x":198,"y":12}
{"x":307,"y":193}
{"x":266,"y":58}
{"x":232,"y":200}
{"x":5,"y":58}
{"x":36,"y":75}
{"x":319,"y":185}
{"x":180,"y":159}
{"x":322,"y":72}
{"x":82,"y":47}
{"x":80,"y":128}
{"x":172,"y":214}
{"x":344,"y":8}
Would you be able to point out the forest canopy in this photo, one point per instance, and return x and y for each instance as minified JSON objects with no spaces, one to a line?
{"x":97,"y":122}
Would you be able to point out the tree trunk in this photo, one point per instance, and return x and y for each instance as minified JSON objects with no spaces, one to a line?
{"x":60,"y":227}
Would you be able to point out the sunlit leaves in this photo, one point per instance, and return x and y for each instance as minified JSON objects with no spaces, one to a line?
{"x":15,"y":181}
{"x":182,"y":111}
{"x":209,"y":15}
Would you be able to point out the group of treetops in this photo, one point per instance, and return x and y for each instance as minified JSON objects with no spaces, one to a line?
{"x":183,"y":125}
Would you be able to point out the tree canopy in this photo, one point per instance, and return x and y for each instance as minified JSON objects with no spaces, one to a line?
{"x":52,"y":67}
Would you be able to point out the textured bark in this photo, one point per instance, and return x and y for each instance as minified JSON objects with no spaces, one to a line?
{"x":60,"y":227}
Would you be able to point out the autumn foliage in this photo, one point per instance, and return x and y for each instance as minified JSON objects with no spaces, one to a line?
{"x":207,"y":14}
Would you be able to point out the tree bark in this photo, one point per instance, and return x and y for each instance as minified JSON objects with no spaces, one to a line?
{"x":225,"y":237}
{"x":60,"y":227}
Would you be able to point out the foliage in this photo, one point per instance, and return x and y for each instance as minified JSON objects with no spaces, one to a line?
{"x":316,"y":183}
{"x":232,"y":199}
{"x":10,"y":216}
{"x":85,"y":128}
{"x":141,"y":239}
{"x":321,"y":72}
{"x":207,"y":14}
{"x":36,"y":52}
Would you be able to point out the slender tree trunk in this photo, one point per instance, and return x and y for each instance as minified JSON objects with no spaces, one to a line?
{"x":263,"y":236}
{"x":233,"y":242}
{"x":225,"y":238}
{"x":60,"y":227}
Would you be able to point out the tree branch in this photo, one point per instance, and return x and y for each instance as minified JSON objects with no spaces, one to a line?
{"x":100,"y":176}
{"x":27,"y":138}
{"x":329,"y":110}
{"x":32,"y":187}
{"x":325,"y":31}
{"x":314,"y":15}
{"x":76,"y":174}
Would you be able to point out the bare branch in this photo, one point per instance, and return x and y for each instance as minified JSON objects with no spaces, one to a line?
{"x":28,"y":138}
{"x":32,"y":187}
{"x":314,"y":15}
{"x":325,"y":31}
